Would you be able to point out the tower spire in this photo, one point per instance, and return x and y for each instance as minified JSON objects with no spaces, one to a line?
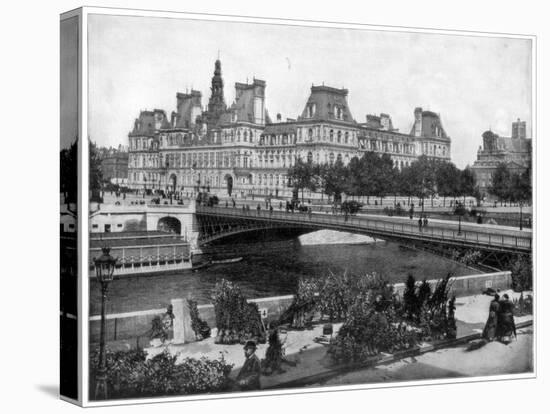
{"x":216,"y":103}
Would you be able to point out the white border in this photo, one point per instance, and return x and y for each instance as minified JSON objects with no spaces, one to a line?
{"x":277,"y":21}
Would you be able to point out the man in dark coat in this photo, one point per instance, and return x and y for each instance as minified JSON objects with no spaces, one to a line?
{"x":249,"y":375}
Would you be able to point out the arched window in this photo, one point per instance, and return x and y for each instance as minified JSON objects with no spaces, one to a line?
{"x":346,"y":137}
{"x":339,"y":139}
{"x":339,"y":158}
{"x":270,"y":179}
{"x":331,"y":135}
{"x":331,"y":158}
{"x":309,"y":157}
{"x":310,"y":134}
{"x":245,"y":136}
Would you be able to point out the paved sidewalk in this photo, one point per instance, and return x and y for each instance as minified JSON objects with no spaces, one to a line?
{"x":494,"y":358}
{"x":310,"y":357}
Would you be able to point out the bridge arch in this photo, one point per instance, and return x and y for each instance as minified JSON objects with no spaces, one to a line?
{"x":169,"y":224}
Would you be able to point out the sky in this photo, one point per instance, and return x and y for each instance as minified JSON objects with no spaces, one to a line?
{"x":475,"y":83}
{"x":69,"y":81}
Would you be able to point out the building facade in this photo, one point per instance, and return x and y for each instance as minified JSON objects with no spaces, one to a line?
{"x":238,"y":149}
{"x":514,"y":151}
{"x":114,"y":165}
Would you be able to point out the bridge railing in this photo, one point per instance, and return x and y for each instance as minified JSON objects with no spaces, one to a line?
{"x":436,"y":231}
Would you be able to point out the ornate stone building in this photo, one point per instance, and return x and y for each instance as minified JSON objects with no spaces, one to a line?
{"x":514,"y":151}
{"x":239,"y":147}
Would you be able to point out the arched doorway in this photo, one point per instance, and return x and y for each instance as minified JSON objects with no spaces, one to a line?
{"x":173,"y":182}
{"x":169,"y":225}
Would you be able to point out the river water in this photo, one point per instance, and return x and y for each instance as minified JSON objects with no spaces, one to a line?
{"x":273,"y":267}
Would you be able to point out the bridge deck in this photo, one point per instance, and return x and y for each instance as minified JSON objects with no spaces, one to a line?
{"x":480,"y":236}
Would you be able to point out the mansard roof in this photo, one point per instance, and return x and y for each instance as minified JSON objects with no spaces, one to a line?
{"x":150,"y":121}
{"x":429,"y":121}
{"x":325,"y":101}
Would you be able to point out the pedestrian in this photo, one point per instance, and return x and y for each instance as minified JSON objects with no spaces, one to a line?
{"x":506,"y":325}
{"x":490,"y":330}
{"x":419,"y":223}
{"x":425,"y":221}
{"x":248,"y":378}
{"x":225,"y":203}
{"x":280,"y":205}
{"x":233,"y":201}
{"x":258,"y":208}
{"x":270,"y":209}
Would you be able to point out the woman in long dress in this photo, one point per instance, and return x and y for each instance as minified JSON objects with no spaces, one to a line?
{"x":490,"y":330}
{"x":506,"y":324}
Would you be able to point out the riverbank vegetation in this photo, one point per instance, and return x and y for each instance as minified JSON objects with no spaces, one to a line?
{"x":237,"y":320}
{"x":375,"y":317}
{"x":130,"y":374}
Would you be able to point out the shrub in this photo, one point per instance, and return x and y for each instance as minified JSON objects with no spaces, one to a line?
{"x":410,"y":302}
{"x":200,"y":327}
{"x":335,"y":296}
{"x":522,"y":274}
{"x":368,"y":331}
{"x":131,"y":375}
{"x":273,"y":355}
{"x":523,"y":305}
{"x":237,"y":321}
{"x":300,"y":312}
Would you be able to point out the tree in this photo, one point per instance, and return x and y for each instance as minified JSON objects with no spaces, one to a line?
{"x":302,"y":175}
{"x":422,"y":178}
{"x":369,"y":165}
{"x":501,"y":182}
{"x":384,"y":177}
{"x":68,"y":159}
{"x":520,"y":190}
{"x":96,"y":173}
{"x":448,"y":180}
{"x":333,"y":179}
{"x":354,"y":182}
{"x":406,"y":183}
{"x":467,"y":183}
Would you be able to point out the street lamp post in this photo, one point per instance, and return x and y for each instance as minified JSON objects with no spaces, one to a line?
{"x":459,"y":225}
{"x":104,"y":268}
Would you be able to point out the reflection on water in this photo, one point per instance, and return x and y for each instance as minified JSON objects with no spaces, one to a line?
{"x":271,"y":268}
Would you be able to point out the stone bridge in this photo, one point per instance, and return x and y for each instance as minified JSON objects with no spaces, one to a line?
{"x":201,"y":225}
{"x":495,"y":242}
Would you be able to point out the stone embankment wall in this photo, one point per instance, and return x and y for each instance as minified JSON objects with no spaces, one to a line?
{"x":137,"y":324}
